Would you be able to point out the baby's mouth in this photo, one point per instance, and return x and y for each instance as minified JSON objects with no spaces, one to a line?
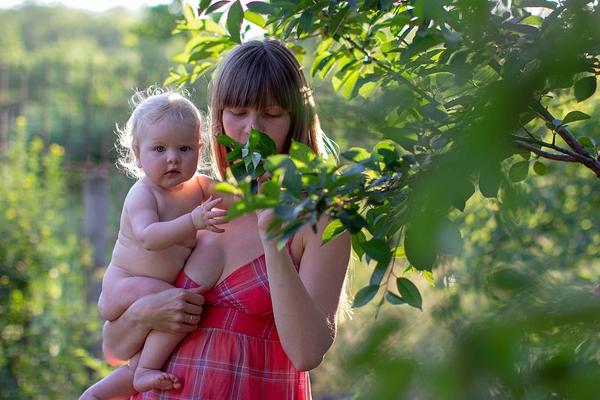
{"x":172,"y":172}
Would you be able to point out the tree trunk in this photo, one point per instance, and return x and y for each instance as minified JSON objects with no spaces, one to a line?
{"x":95,"y":202}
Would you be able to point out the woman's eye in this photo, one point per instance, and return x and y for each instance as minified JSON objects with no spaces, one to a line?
{"x":272,"y":115}
{"x":237,"y":113}
{"x":160,"y":149}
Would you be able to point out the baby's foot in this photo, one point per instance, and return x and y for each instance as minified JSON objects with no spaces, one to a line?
{"x":147,"y":379}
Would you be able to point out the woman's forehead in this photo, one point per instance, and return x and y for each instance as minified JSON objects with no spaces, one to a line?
{"x":265,"y":104}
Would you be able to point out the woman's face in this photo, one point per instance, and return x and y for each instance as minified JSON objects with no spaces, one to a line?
{"x":273,"y":120}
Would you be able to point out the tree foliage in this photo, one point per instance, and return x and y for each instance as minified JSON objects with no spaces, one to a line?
{"x":472,"y":83}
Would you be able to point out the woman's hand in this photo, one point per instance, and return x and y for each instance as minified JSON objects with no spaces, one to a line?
{"x":173,"y":311}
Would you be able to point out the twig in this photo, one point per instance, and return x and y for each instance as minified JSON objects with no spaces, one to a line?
{"x":545,"y":154}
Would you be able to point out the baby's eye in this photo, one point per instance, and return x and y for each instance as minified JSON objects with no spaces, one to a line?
{"x":160,"y":149}
{"x":185,"y":148}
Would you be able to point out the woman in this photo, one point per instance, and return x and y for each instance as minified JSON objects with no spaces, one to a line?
{"x":272,"y":315}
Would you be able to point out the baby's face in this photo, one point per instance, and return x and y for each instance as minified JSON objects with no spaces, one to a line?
{"x":168,"y":153}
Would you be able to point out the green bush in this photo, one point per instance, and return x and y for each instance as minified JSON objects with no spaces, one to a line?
{"x":46,"y":327}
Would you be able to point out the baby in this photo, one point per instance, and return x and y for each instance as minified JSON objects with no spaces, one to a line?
{"x":160,"y":217}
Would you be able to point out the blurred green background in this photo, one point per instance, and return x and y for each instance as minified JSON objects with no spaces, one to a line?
{"x":514,"y":316}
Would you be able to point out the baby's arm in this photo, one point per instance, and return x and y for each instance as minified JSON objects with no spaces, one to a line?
{"x":155,"y":235}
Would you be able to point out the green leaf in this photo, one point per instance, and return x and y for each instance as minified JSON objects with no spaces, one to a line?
{"x":271,"y":189}
{"x":215,"y":6}
{"x":348,"y":84}
{"x":585,"y":88}
{"x":575,"y":116}
{"x":367,"y":90}
{"x":319,"y":62}
{"x":274,"y":161}
{"x":255,"y":18}
{"x":519,"y":171}
{"x":224,"y":187}
{"x":336,"y":21}
{"x":305,"y":24}
{"x":587,"y":142}
{"x":202,"y":6}
{"x":261,"y":142}
{"x":292,"y":179}
{"x":227,"y":141}
{"x":489,"y":182}
{"x":409,"y":292}
{"x":539,"y":168}
{"x":358,"y":239}
{"x":333,"y":230}
{"x":378,"y":274}
{"x":260,"y":7}
{"x":355,"y":154}
{"x":420,"y":251}
{"x":388,"y":149}
{"x":364,"y":295}
{"x":378,"y":250}
{"x":300,"y":151}
{"x":352,"y":221}
{"x":234,"y":20}
{"x":393,"y":298}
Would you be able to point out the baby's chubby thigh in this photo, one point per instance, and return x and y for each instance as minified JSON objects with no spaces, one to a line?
{"x":120,"y":289}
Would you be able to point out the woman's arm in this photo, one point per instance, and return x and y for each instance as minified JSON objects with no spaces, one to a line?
{"x":305,"y":303}
{"x":174,"y":310}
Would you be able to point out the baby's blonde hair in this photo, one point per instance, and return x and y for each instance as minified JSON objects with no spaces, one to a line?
{"x":152,"y":106}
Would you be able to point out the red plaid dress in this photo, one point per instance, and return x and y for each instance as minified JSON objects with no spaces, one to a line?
{"x":235,"y":353}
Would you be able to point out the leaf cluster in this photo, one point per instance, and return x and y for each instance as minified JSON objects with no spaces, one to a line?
{"x":469,"y":82}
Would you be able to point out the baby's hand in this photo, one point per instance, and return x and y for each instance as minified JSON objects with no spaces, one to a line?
{"x":203,"y":216}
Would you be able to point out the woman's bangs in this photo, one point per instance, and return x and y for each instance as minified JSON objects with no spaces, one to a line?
{"x":258,"y":86}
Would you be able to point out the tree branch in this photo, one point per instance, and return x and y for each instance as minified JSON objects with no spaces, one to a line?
{"x":560,"y":129}
{"x":545,"y":154}
{"x":552,"y":146}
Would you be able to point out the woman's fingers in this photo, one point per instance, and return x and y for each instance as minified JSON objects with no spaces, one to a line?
{"x":193,"y":296}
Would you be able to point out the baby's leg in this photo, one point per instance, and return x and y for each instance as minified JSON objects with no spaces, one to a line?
{"x":116,"y":386}
{"x":156,"y":351}
{"x":120,"y":289}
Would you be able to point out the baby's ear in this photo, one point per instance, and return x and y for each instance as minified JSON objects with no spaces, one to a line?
{"x":136,"y":154}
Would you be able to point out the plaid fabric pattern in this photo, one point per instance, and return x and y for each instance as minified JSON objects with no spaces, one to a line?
{"x":236,"y":353}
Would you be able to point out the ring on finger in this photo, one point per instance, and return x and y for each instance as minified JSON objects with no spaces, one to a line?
{"x":191,"y":318}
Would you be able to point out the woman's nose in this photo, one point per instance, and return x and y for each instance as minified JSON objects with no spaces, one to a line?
{"x":252,"y":121}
